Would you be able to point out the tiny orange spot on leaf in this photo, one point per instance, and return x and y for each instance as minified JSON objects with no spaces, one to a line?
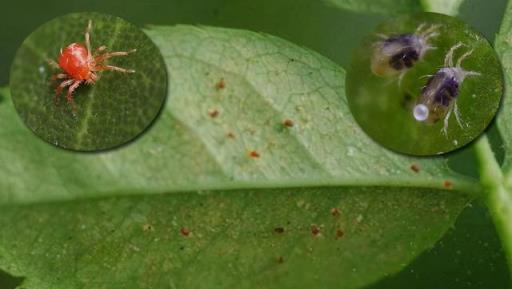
{"x":185,"y":231}
{"x":221,"y":84}
{"x":254,"y":154}
{"x":315,"y":230}
{"x":288,"y":123}
{"x":447,"y":184}
{"x":339,"y":234}
{"x":213,"y":113}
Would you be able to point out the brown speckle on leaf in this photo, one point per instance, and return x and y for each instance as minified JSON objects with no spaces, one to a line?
{"x":288,"y":123}
{"x":213,"y":113}
{"x":254,"y":154}
{"x":221,"y":84}
{"x":335,"y":212}
{"x":339,"y":234}
{"x":279,"y":230}
{"x":415,"y":168}
{"x":280,"y":260}
{"x":230,"y":135}
{"x":315,"y":230}
{"x":447,"y":184}
{"x":147,"y":228}
{"x":185,"y":231}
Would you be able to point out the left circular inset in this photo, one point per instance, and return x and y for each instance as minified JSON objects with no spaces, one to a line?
{"x":88,"y":82}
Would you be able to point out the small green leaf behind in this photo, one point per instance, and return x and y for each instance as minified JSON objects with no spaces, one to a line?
{"x":256,"y":175}
{"x":388,"y":7}
{"x":110,"y":112}
{"x":449,"y":7}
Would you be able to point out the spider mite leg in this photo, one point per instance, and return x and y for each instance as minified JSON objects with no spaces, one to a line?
{"x":459,"y":74}
{"x":107,"y":55}
{"x":60,"y":87}
{"x":88,"y":37}
{"x":118,"y":69}
{"x":69,"y":96}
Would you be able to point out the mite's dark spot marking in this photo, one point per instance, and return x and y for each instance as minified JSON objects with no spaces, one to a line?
{"x":404,"y":59}
{"x":254,"y":154}
{"x":185,"y":231}
{"x":447,"y":88}
{"x":221,"y":84}
{"x":415,"y":168}
{"x":447,"y":184}
{"x":230,"y":135}
{"x":182,"y":248}
{"x":339,"y":234}
{"x":213,"y":113}
{"x":288,"y":123}
{"x":279,"y":230}
{"x":147,"y":228}
{"x":280,"y":260}
{"x":292,"y":59}
{"x":315,"y":230}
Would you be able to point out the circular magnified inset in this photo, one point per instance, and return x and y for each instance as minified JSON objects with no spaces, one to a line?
{"x":424,"y":84}
{"x":88,"y":82}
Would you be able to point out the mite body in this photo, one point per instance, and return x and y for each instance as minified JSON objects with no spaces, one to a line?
{"x":79,"y":65}
{"x":396,"y":54}
{"x":439,"y":96}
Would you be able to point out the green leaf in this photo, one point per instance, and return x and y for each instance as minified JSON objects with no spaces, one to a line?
{"x":248,"y":200}
{"x":504,"y":48}
{"x":109,"y":113}
{"x":449,"y":7}
{"x":382,"y":6}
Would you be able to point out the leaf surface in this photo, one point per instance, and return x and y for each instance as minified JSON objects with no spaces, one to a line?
{"x":264,"y":174}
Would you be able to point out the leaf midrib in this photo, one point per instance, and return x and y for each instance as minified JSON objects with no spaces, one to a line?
{"x":462,"y":185}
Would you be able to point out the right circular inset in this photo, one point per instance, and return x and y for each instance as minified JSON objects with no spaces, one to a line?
{"x":424,"y":84}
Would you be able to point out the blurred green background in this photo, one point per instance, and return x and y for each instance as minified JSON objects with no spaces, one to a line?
{"x":469,"y":256}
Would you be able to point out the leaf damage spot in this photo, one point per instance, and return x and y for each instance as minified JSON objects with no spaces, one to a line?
{"x":339,"y":234}
{"x":279,"y":230}
{"x":335,"y":212}
{"x":315,"y":230}
{"x":254,"y":154}
{"x":448,"y":184}
{"x":288,"y":123}
{"x":185,"y":231}
{"x":213,"y":112}
{"x":230,"y":135}
{"x":280,"y":260}
{"x":221,"y":84}
{"x":415,"y":168}
{"x":148,"y":228}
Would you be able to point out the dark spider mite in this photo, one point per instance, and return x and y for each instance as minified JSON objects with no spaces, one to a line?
{"x":394,"y":55}
{"x":439,"y":96}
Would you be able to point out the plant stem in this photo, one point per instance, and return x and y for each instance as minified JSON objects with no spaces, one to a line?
{"x":496,"y":194}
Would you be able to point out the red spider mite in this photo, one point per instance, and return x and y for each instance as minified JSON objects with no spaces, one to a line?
{"x":79,"y":65}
